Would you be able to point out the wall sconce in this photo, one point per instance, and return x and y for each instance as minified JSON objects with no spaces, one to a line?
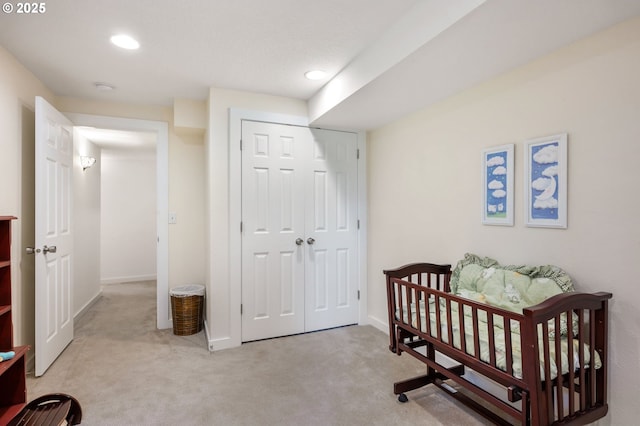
{"x":87,"y":162}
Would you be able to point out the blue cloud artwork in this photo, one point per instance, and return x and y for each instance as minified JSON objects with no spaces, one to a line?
{"x":544,"y":181}
{"x":496,"y":184}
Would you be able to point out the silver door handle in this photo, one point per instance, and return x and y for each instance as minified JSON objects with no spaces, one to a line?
{"x":51,"y":249}
{"x":299,"y":241}
{"x":310,"y":240}
{"x":31,"y":250}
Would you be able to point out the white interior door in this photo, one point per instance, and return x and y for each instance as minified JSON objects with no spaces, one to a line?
{"x":299,"y":237}
{"x":331,"y":276}
{"x":273,"y":219}
{"x":54,"y":243}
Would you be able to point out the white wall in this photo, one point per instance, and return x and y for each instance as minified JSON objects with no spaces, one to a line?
{"x":18,"y":89}
{"x":223,"y":311}
{"x":187,"y":263}
{"x":425,"y":189}
{"x":86,"y":225}
{"x":128,"y":225}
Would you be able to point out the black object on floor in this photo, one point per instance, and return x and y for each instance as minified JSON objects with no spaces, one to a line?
{"x":55,"y":409}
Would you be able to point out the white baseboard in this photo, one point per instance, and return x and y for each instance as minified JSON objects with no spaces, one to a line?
{"x":128,"y":279}
{"x":206,"y":335}
{"x":31,"y":362}
{"x":380,"y":325}
{"x":219,"y":343}
{"x":88,"y":305}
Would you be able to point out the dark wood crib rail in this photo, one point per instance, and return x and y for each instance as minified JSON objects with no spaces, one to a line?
{"x":586,"y":384}
{"x":432,"y":275}
{"x":577,"y":397}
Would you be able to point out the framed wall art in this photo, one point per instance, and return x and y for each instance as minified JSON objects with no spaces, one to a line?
{"x":546,"y":181}
{"x":497,"y":185}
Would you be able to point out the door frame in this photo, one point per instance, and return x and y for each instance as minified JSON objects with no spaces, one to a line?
{"x":236,"y":116}
{"x":163,"y":314}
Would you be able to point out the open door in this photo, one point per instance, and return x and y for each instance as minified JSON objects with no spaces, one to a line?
{"x":54,"y":242}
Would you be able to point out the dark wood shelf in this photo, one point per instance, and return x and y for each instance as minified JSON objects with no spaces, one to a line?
{"x":20,"y":352}
{"x":8,"y":412}
{"x":13,"y":394}
{"x":13,"y":391}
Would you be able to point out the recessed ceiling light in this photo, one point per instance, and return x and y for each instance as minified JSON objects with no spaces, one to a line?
{"x":104,"y":87}
{"x":315,"y":75}
{"x":124,"y":41}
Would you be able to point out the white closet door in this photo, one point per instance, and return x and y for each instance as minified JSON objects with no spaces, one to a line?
{"x":299,"y":238}
{"x":273,"y":160}
{"x":331,"y":279}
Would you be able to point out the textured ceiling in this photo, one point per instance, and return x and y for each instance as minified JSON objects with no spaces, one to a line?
{"x":265,"y":46}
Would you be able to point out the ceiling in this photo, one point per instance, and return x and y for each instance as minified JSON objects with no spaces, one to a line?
{"x":395,"y":55}
{"x":111,"y":139}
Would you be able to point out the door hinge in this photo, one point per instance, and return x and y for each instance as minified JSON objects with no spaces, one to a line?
{"x":240,"y":227}
{"x":241,"y":309}
{"x":358,"y":223}
{"x":358,"y":294}
{"x":240,"y":144}
{"x":357,"y":154}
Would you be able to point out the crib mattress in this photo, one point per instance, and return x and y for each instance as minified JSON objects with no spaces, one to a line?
{"x":499,"y":340}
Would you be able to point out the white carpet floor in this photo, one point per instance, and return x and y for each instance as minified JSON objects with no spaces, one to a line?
{"x":124,"y":371}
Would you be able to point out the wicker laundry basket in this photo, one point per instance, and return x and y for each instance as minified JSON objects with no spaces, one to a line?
{"x":187,"y":307}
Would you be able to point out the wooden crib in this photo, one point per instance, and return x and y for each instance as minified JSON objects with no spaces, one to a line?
{"x":425,"y":319}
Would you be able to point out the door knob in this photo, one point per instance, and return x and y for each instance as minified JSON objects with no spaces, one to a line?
{"x":299,"y":241}
{"x":47,"y":249}
{"x":310,"y":240}
{"x":31,"y":250}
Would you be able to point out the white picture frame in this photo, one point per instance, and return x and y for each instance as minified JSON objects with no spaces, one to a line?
{"x":497,"y":185}
{"x":545,"y":179}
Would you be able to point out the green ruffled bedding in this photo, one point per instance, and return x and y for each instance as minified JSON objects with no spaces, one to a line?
{"x":471,"y":280}
{"x":511,"y":287}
